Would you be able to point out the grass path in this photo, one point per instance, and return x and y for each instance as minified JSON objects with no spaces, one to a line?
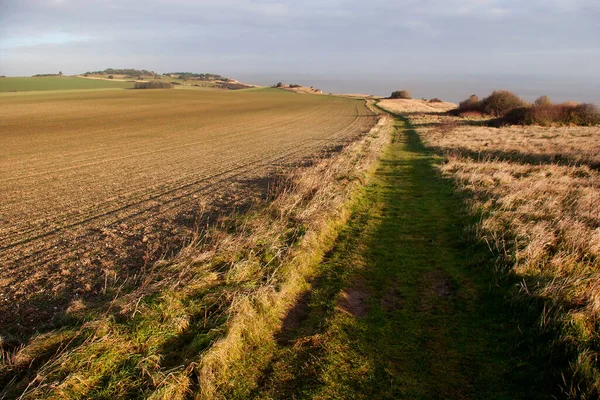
{"x":399,"y":309}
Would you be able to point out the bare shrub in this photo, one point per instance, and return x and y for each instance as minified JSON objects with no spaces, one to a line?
{"x":472,"y":104}
{"x":542,"y":101}
{"x":555,"y":114}
{"x":501,"y":102}
{"x":588,"y":114}
{"x":153,"y":85}
{"x":401,"y":94}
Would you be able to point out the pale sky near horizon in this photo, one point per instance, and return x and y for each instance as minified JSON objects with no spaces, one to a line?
{"x":361,"y":45}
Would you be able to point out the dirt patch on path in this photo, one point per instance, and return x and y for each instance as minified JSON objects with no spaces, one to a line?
{"x":354,"y":301}
{"x":393,"y":299}
{"x":436,"y":292}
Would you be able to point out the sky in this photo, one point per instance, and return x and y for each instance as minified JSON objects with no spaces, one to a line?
{"x":440,"y":48}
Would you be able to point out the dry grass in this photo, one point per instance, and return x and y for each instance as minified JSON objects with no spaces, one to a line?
{"x":406,"y":106}
{"x":189,"y":328}
{"x":533,"y":144}
{"x":538,"y":193}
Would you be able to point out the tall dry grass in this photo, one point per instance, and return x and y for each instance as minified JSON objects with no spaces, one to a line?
{"x":537,"y":190}
{"x":203,"y":322}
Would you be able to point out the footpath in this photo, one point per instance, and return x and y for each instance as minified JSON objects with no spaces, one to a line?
{"x":402,"y":308}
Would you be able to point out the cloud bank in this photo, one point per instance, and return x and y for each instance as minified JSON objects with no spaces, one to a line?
{"x":327,"y":38}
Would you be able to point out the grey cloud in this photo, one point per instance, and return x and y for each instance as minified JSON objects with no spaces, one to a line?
{"x":342,"y":38}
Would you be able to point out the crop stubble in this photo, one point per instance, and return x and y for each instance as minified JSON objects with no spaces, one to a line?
{"x":99,"y":185}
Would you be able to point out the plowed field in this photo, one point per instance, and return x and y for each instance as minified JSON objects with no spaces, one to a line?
{"x":97,"y":185}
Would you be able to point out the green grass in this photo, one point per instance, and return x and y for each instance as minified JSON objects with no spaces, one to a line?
{"x":429,"y":321}
{"x":57,"y":83}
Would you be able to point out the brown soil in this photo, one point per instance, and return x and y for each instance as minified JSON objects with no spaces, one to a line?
{"x":99,"y":186}
{"x":436,"y":292}
{"x":392,"y":300}
{"x":354,"y":301}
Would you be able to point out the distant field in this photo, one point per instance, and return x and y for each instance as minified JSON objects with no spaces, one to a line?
{"x":57,"y":83}
{"x":92,"y":179}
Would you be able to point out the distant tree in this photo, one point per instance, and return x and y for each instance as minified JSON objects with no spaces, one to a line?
{"x":401,"y":94}
{"x":60,"y":73}
{"x":279,"y":84}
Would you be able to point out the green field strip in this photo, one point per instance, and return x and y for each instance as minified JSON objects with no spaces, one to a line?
{"x":58,"y":83}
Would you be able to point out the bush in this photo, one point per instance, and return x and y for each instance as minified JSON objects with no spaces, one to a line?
{"x":401,"y":94}
{"x":555,"y":114}
{"x":295,"y":86}
{"x":501,"y":102}
{"x":512,"y":110}
{"x":542,"y":101}
{"x":153,"y":85}
{"x":469,"y":105}
{"x":588,"y":114}
{"x":435,"y":100}
{"x":110,"y":77}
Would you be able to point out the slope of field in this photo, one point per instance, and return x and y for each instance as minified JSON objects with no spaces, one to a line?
{"x":97,"y":185}
{"x":57,"y":83}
